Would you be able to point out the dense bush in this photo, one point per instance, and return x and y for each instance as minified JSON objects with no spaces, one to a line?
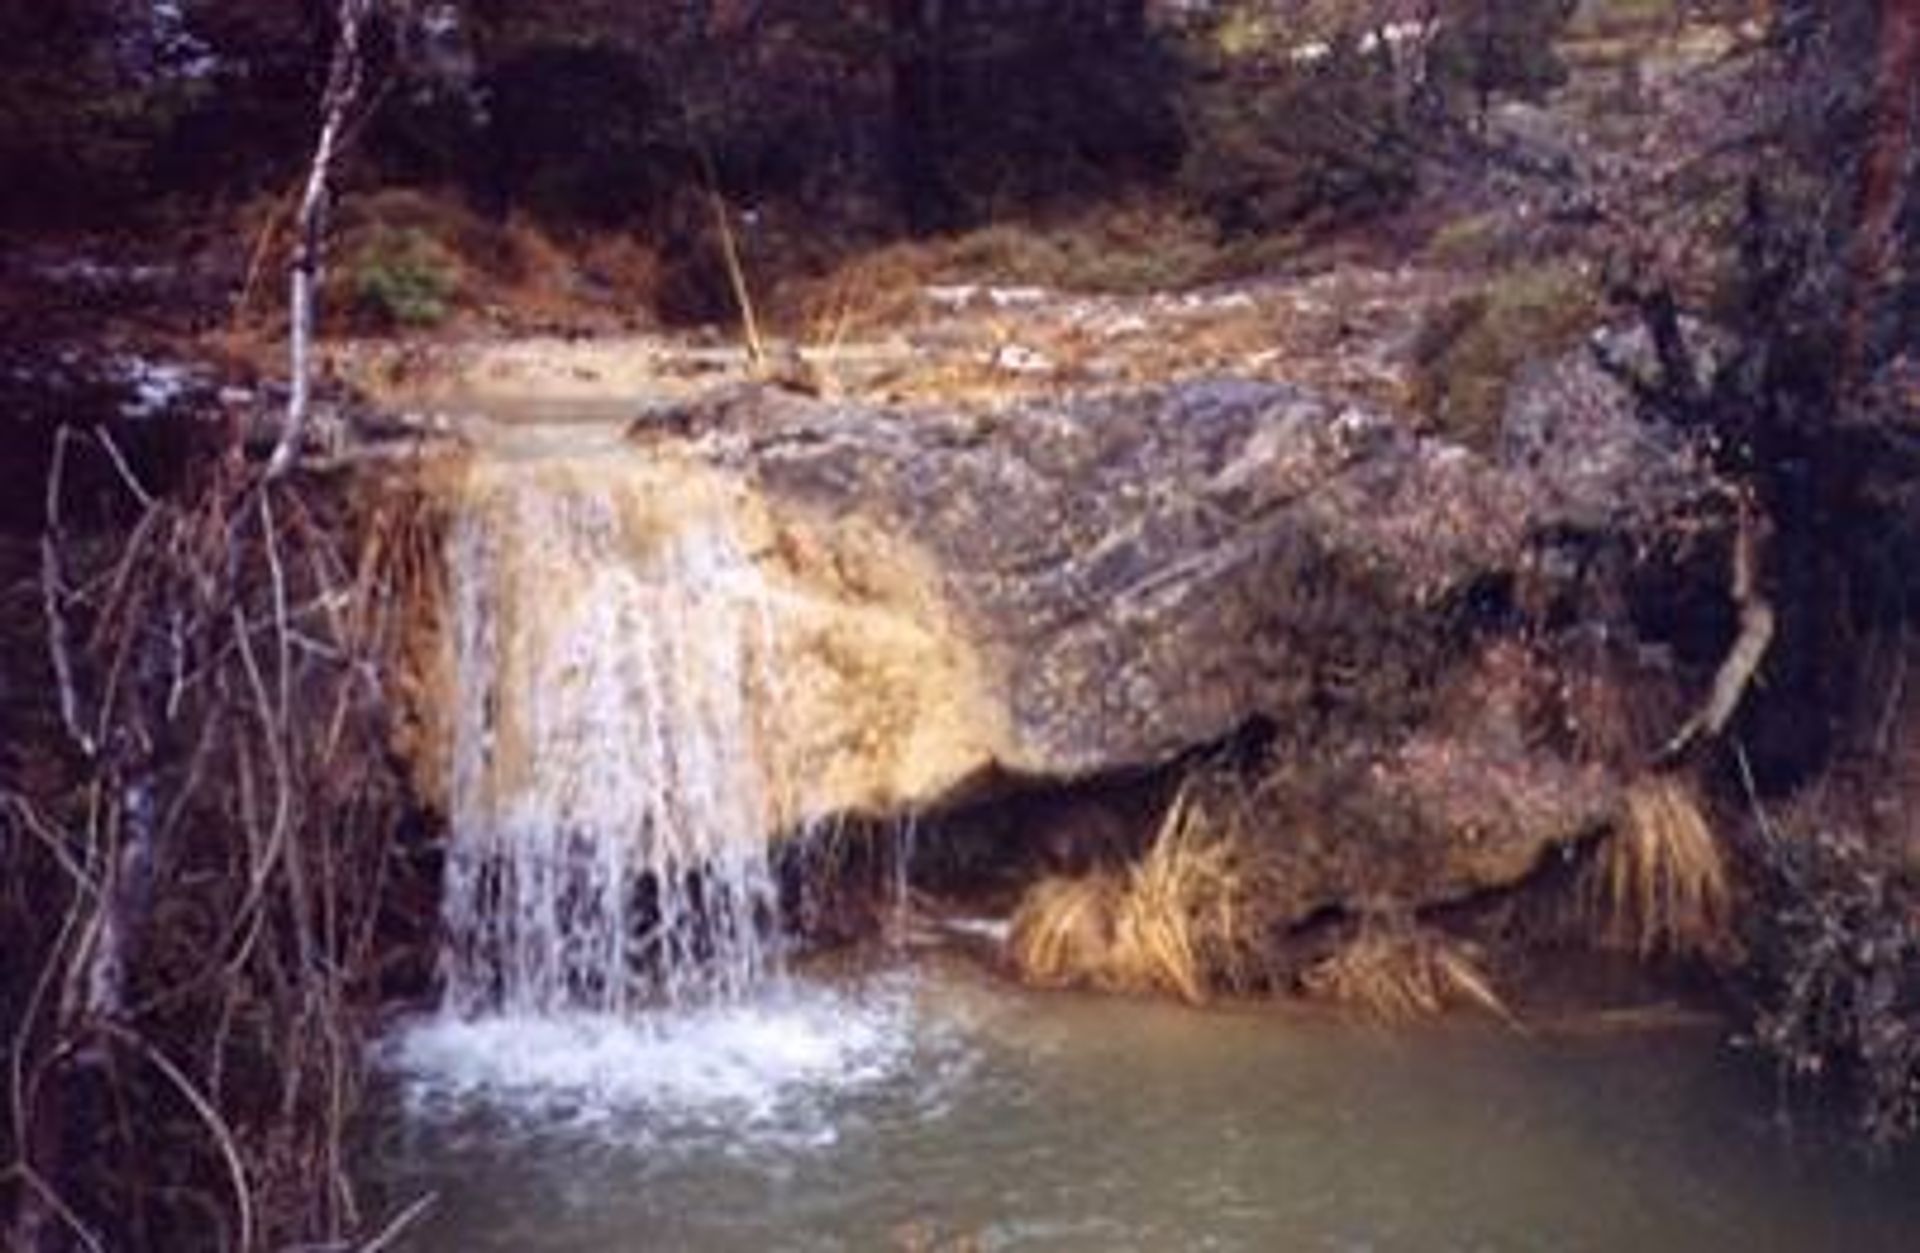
{"x":852,"y":118}
{"x":1028,"y":122}
{"x":578,"y":131}
{"x":1808,"y":409}
{"x":1500,"y":47}
{"x":74,"y":130}
{"x":1837,"y":966}
{"x":1275,"y":145}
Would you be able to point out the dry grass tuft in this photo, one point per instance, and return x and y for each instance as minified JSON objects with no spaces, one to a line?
{"x":1400,"y":972}
{"x":1659,"y":884}
{"x":1063,"y":932}
{"x":1187,"y":919}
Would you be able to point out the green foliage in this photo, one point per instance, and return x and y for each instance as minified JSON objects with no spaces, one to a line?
{"x":400,"y":278}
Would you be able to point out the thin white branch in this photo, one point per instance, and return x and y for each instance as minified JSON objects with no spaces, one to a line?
{"x":216,"y":1126}
{"x":344,"y":80}
{"x":53,"y":597}
{"x":127,"y":476}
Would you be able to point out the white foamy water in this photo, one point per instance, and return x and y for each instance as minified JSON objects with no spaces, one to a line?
{"x":613,"y":960}
{"x":610,"y":806}
{"x":763,"y":1068}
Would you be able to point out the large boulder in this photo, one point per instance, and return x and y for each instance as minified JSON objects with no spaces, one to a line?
{"x":1137,"y":574}
{"x":1052,"y":592}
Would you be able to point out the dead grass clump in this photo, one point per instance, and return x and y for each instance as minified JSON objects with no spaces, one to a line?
{"x":1618,"y":19}
{"x":1187,"y":919}
{"x":1659,"y":884}
{"x":1063,"y":932}
{"x":1397,"y":973}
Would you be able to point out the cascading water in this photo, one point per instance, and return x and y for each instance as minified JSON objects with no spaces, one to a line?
{"x":610,"y":805}
{"x":611,"y":915}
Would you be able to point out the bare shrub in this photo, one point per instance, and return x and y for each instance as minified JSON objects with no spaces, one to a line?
{"x":214,"y":864}
{"x":1835,"y":974}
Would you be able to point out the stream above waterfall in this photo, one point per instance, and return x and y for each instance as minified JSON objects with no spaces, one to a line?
{"x":941,"y":1108}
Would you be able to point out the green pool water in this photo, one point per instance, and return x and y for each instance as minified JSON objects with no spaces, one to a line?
{"x":940,"y":1109}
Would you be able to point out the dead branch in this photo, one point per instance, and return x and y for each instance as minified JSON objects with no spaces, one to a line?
{"x":406,"y":1218}
{"x":1749,"y":649}
{"x":216,"y":1126}
{"x":47,"y":1195}
{"x":53,"y":600}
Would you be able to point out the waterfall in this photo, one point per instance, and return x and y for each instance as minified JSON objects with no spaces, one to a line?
{"x":610,"y":802}
{"x":616,"y":725}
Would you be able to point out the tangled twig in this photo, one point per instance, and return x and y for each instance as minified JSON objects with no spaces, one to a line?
{"x":210,"y":869}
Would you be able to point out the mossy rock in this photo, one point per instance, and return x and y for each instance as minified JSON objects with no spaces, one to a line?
{"x":1471,"y":350}
{"x":1609,"y":19}
{"x":1476,"y":241}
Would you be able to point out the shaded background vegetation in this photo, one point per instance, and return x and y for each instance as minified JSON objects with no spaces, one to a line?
{"x":823,"y":128}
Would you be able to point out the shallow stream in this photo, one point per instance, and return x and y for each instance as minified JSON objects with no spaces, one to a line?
{"x":938,"y":1109}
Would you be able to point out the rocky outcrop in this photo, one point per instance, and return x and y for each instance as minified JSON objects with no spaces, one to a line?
{"x":1062,"y":590}
{"x":1145,"y":572}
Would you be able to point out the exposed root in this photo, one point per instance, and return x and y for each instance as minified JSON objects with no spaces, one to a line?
{"x":1185,"y":920}
{"x":1659,"y":884}
{"x":1401,"y":972}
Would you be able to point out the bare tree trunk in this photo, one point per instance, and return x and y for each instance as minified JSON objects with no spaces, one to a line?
{"x":1888,"y":165}
{"x":344,"y":80}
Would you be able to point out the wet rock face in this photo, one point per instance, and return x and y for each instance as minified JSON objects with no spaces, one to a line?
{"x":1058,"y":592}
